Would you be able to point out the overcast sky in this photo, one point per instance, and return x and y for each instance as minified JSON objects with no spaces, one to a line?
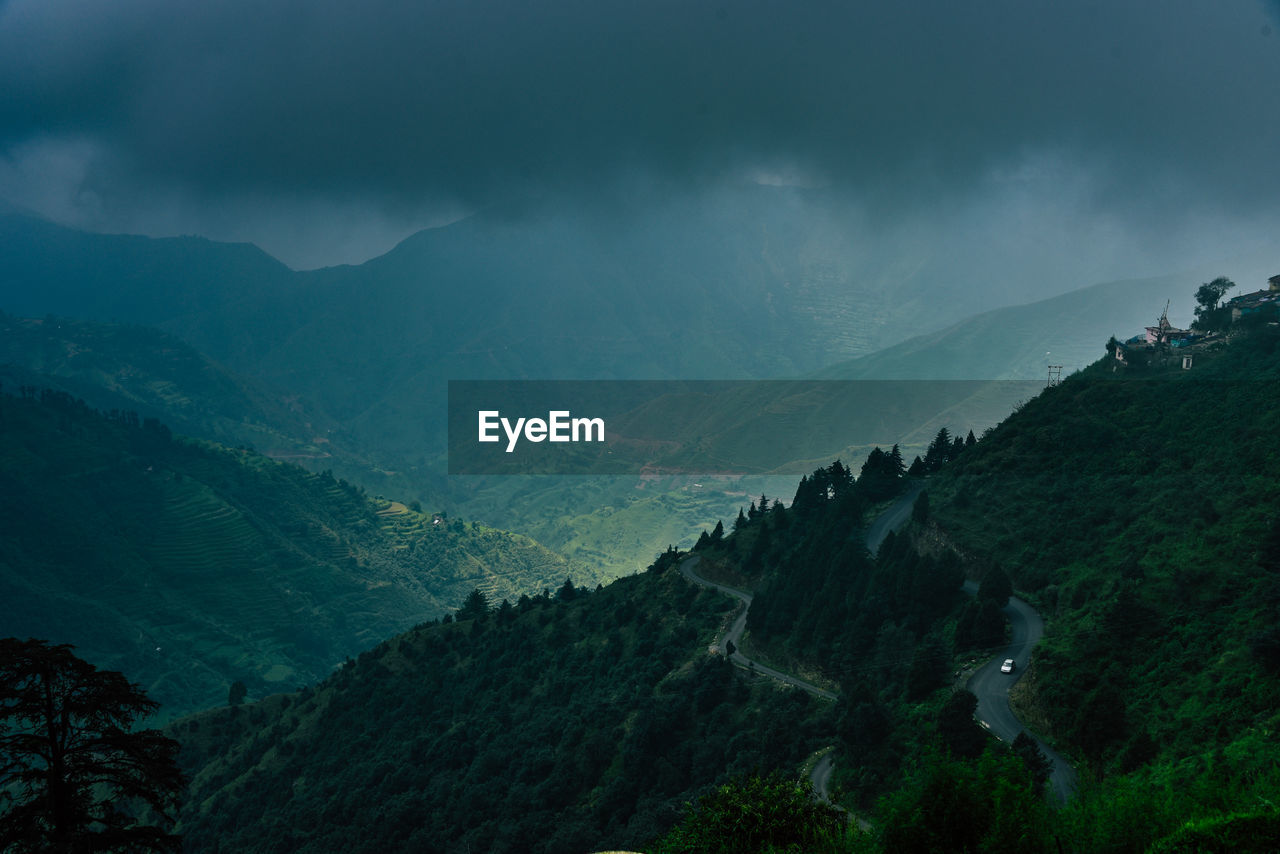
{"x":325,"y":131}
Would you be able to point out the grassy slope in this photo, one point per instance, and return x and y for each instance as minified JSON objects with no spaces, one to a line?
{"x":617,"y":523}
{"x":188,"y":566}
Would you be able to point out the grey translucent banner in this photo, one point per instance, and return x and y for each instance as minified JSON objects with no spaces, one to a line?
{"x":707,"y":427}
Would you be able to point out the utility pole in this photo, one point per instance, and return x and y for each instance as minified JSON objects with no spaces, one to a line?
{"x":1055,"y":376}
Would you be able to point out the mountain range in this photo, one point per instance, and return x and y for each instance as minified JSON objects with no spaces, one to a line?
{"x":344,"y":368}
{"x":1132,"y":505}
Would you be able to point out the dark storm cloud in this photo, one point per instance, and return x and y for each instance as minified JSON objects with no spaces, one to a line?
{"x":409,"y":104}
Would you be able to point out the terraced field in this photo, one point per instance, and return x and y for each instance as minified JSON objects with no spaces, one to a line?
{"x":198,"y":533}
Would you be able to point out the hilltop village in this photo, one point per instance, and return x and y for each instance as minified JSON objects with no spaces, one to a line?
{"x":1215,"y":323}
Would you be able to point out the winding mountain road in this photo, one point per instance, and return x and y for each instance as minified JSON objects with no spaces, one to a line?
{"x":893,"y":517}
{"x":820,"y":776}
{"x":989,"y":685}
{"x":734,"y":635}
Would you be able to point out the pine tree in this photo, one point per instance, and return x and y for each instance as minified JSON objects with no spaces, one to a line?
{"x":875,"y":463}
{"x":807,"y":496}
{"x":878,"y":477}
{"x":939,"y":450}
{"x":895,"y":458}
{"x":841,"y":479}
{"x":1038,"y":765}
{"x":474,"y":607}
{"x":961,"y":735}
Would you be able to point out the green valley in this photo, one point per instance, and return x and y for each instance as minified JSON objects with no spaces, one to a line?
{"x":1157,"y":676}
{"x":191,"y":566}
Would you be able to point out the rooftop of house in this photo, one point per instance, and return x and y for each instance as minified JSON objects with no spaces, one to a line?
{"x":1255,"y":296}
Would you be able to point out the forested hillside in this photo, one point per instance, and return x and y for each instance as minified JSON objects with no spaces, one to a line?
{"x":882,"y":630}
{"x":1139,"y":508}
{"x":582,"y":722}
{"x":1136,"y":507}
{"x":140,"y":368}
{"x":1114,"y":502}
{"x":571,"y":722}
{"x":190,"y":566}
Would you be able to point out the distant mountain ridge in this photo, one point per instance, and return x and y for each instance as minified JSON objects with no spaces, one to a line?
{"x":1019,"y":342}
{"x":140,"y":368}
{"x":754,"y":286}
{"x":47,"y":268}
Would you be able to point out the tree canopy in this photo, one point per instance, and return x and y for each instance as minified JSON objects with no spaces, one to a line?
{"x":1208,"y":315}
{"x":72,"y":769}
{"x":754,"y":814}
{"x":1209,"y":294}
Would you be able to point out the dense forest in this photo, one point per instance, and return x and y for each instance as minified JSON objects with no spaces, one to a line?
{"x":568,"y":721}
{"x":1135,"y":505}
{"x":1139,"y":511}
